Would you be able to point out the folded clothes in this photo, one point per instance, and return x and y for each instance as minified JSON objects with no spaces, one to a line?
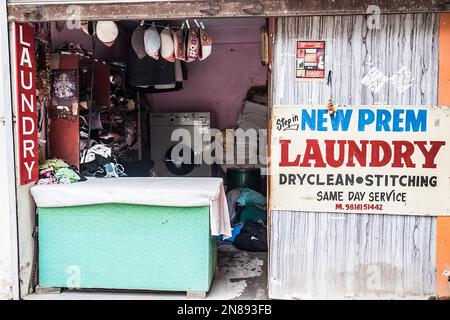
{"x":53,"y":164}
{"x":47,"y":181}
{"x":57,"y":171}
{"x":67,"y":174}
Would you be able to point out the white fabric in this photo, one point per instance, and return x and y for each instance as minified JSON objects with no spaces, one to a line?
{"x":156,"y":191}
{"x":107,"y":31}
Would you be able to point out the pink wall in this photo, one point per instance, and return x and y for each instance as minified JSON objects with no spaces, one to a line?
{"x":220,"y":83}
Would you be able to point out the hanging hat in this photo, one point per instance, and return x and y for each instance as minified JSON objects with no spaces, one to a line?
{"x":205,"y":45}
{"x":107,"y":32}
{"x":167,"y":47}
{"x":137,"y":42}
{"x":152,"y":41}
{"x":88,"y":27}
{"x":179,"y":45}
{"x":193,"y":44}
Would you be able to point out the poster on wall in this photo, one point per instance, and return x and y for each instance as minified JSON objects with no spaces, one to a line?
{"x":64,"y":87}
{"x":310,"y":60}
{"x":365,"y":159}
{"x":26,"y":114}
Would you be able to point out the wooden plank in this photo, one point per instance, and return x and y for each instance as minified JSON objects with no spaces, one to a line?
{"x":443,"y":223}
{"x":64,"y":134}
{"x":329,"y":255}
{"x":228,"y":8}
{"x":196,"y":295}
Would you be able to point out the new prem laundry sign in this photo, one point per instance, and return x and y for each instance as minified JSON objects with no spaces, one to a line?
{"x":366,"y":159}
{"x":25,"y":66}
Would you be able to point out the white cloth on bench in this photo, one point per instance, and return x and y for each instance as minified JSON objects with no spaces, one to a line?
{"x":155,"y":191}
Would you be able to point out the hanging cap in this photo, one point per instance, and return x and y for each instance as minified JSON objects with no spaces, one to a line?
{"x":205,"y":45}
{"x":152,"y":41}
{"x":193,"y":44}
{"x":167,"y":47}
{"x":137,"y":42}
{"x":107,"y":32}
{"x":179,"y":45}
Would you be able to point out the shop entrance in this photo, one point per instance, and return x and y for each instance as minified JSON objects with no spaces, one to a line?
{"x":175,"y":99}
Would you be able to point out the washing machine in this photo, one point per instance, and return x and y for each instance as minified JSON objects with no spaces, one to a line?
{"x":169,"y":156}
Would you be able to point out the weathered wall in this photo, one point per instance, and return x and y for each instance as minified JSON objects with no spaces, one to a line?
{"x":338,"y":256}
{"x":8,"y":230}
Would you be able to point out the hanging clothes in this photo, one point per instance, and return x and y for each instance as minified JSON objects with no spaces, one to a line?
{"x":149,"y":72}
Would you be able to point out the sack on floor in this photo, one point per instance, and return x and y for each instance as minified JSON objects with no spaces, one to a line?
{"x":253,"y":237}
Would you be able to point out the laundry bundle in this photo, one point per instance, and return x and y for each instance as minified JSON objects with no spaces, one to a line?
{"x":252,"y":237}
{"x":98,"y":161}
{"x":246,"y":204}
{"x":248,"y":218}
{"x":57,"y":171}
{"x":253,"y":116}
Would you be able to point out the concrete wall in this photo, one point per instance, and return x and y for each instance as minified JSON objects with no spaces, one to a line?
{"x":8,"y":230}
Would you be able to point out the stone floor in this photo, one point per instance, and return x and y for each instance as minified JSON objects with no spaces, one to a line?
{"x":240,"y":275}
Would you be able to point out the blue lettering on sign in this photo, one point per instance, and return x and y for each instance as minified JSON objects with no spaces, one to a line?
{"x":322,"y":119}
{"x":385,"y":118}
{"x":317,"y":119}
{"x":341,"y":119}
{"x":381,"y":120}
{"x":308,"y":119}
{"x":397,"y":120}
{"x":366,"y":117}
{"x":416,"y":123}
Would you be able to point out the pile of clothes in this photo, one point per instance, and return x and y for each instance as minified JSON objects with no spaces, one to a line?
{"x":115,"y":126}
{"x":253,"y":116}
{"x":98,"y":161}
{"x":57,"y":171}
{"x":248,"y":217}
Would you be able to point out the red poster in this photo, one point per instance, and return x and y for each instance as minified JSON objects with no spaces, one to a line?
{"x":310,"y":60}
{"x":25,"y":67}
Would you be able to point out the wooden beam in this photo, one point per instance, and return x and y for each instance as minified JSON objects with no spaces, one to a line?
{"x":443,"y":223}
{"x":220,"y":8}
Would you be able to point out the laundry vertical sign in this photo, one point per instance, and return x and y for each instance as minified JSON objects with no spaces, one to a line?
{"x":26,"y":116}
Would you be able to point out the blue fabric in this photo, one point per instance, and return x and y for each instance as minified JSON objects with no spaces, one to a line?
{"x":251,"y":197}
{"x":254,"y":213}
{"x":235,"y":230}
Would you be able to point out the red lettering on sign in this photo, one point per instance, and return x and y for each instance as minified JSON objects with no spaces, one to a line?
{"x":26,"y":103}
{"x":338,"y":153}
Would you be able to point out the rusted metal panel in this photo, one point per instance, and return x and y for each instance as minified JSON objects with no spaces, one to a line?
{"x":329,"y":255}
{"x":126,"y":10}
